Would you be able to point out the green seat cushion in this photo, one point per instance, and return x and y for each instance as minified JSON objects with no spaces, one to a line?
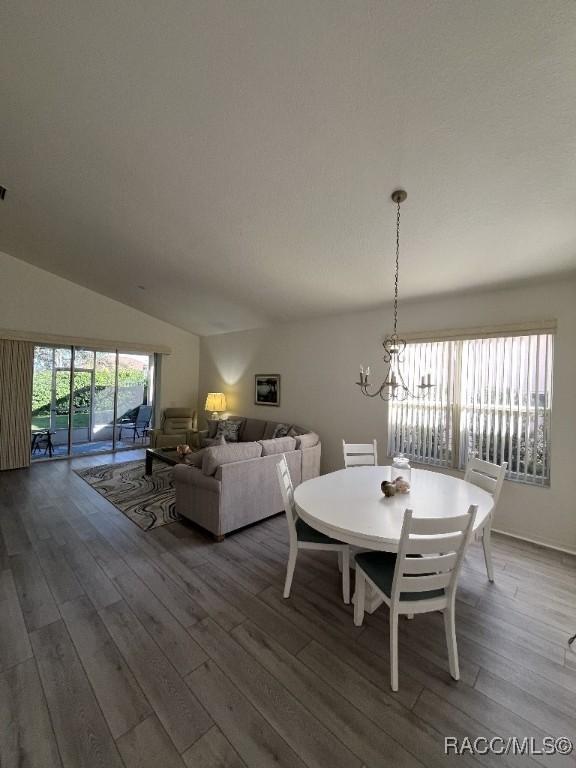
{"x":305,"y":532}
{"x":379,"y":567}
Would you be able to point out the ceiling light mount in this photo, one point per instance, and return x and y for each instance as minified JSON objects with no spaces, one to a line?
{"x":398,"y":196}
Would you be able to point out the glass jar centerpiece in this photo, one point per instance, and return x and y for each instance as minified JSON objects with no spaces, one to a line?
{"x":401,"y":473}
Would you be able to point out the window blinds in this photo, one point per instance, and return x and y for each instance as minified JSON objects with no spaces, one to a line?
{"x":492,"y":399}
{"x":422,"y":428}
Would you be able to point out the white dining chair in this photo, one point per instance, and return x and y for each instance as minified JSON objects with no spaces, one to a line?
{"x":421,"y":578}
{"x":303,"y":536}
{"x":360,"y":454}
{"x":490,"y":477}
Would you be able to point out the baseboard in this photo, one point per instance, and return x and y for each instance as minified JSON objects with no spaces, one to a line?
{"x":546,"y":545}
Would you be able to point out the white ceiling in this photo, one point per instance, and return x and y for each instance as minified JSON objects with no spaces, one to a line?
{"x":236,"y":158}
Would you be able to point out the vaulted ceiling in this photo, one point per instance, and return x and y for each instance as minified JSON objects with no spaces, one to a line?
{"x":226,"y":164}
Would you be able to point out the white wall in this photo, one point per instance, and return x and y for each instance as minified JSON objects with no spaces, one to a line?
{"x":38,"y":301}
{"x":319,"y":361}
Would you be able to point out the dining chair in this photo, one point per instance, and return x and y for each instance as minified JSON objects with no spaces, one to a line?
{"x":421,"y":578}
{"x":360,"y":454}
{"x":490,"y":477}
{"x":303,"y":536}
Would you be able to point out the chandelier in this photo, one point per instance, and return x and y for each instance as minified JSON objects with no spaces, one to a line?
{"x":394,"y":386}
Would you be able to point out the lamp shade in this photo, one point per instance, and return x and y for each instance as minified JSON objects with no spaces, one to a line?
{"x":215,"y":401}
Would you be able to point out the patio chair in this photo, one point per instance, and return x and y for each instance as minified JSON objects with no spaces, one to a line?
{"x":139,"y":425}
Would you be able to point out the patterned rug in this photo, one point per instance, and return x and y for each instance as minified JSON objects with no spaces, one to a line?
{"x":148,"y":500}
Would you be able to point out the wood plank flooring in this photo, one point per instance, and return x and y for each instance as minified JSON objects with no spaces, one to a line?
{"x":124,"y":648}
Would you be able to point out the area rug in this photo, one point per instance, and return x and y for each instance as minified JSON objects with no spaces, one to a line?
{"x":148,"y":500}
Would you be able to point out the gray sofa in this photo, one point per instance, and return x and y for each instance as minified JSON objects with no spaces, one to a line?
{"x":235,"y":484}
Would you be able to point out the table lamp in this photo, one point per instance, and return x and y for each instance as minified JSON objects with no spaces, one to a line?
{"x":215,"y":402}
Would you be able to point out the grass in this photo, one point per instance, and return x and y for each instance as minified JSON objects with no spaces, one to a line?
{"x":43,"y":422}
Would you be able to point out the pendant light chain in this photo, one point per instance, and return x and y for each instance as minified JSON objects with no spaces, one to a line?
{"x":395,"y":386}
{"x":397,"y":268}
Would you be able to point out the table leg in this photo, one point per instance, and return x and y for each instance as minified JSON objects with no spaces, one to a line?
{"x":149,"y":459}
{"x":372,"y":600}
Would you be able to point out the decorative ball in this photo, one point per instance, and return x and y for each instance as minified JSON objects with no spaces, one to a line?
{"x":402,"y":485}
{"x":388,"y":488}
{"x":183,"y":450}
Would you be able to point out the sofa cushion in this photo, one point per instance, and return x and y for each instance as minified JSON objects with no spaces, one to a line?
{"x":277,"y":445}
{"x":253,"y":430}
{"x":208,"y":442}
{"x":195,"y":458}
{"x":226,"y":454}
{"x":295,"y":430}
{"x":229,"y":430}
{"x":309,"y":440}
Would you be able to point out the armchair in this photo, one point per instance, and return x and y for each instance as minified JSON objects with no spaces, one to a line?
{"x":178,"y":426}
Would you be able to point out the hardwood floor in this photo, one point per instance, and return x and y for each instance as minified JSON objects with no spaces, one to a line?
{"x":125,"y":648}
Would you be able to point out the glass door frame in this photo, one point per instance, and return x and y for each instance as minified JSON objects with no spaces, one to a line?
{"x":151,"y":387}
{"x":73,"y":373}
{"x":53,"y":395}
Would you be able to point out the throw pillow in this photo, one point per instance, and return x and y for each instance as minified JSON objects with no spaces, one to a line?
{"x":281,"y":430}
{"x":295,"y":431}
{"x":277,"y":445}
{"x":309,"y":440}
{"x":229,"y":430}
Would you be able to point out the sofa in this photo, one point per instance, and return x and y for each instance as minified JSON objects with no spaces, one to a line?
{"x":178,"y":426}
{"x":232,"y":484}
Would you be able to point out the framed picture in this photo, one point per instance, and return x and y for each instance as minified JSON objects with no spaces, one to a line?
{"x":267,"y":389}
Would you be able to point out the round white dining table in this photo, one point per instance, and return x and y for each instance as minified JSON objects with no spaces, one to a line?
{"x":349,"y":505}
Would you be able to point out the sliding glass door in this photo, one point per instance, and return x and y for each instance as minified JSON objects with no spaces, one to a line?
{"x":87,"y":401}
{"x":135,"y":396}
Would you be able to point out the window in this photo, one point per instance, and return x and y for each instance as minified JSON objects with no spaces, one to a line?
{"x":492,"y":399}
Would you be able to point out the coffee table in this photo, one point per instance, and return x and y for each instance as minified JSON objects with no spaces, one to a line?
{"x":166,"y":455}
